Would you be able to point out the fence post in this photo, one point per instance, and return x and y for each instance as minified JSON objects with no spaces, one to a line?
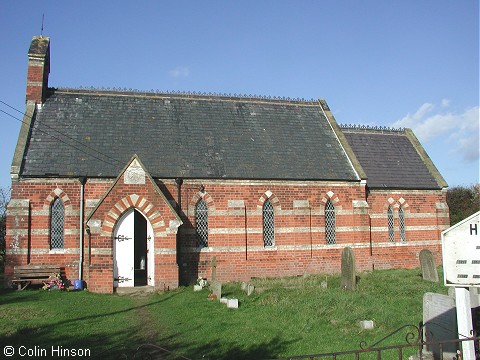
{"x":464,"y":321}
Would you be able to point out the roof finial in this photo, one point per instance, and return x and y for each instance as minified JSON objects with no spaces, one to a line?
{"x":43,"y":17}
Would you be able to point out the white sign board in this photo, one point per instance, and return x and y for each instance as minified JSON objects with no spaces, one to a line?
{"x":461,"y":253}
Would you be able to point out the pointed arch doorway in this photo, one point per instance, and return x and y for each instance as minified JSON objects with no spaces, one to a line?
{"x":133,"y":253}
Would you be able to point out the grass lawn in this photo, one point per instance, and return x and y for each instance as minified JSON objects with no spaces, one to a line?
{"x":285,"y":317}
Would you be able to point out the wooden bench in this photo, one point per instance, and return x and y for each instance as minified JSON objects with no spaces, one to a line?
{"x":34,"y":274}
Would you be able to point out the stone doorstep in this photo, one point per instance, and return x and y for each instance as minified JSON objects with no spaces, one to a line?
{"x":134,"y":290}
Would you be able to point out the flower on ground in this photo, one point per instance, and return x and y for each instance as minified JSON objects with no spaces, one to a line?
{"x":54,"y":281}
{"x":202,"y":282}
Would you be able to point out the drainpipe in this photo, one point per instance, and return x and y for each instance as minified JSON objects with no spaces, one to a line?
{"x":369,"y":229}
{"x":83,"y":180}
{"x":246,"y":233}
{"x":87,"y":229}
{"x":179,"y":182}
{"x":311,"y":239}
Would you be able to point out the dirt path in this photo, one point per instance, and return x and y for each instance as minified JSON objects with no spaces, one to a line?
{"x":148,"y":330}
{"x":149,"y":335}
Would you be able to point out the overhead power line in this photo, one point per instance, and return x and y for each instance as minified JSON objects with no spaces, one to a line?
{"x":36,"y":127}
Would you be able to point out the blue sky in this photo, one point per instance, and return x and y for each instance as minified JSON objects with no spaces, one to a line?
{"x":405,"y":63}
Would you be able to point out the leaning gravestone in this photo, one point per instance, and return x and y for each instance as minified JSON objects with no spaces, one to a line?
{"x":440,"y":323}
{"x":348,"y":269}
{"x":427,"y":263}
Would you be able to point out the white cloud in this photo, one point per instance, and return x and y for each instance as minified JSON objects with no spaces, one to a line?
{"x":459,"y":130}
{"x":180,"y":72}
{"x":445,"y":102}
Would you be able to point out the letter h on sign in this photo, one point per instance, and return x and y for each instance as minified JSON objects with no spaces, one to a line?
{"x":473,"y":228}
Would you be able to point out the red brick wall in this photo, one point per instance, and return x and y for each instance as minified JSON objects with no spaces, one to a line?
{"x":235,"y":239}
{"x":300,"y":245}
{"x":37,"y":79}
{"x":28,"y":225}
{"x":426,"y":216}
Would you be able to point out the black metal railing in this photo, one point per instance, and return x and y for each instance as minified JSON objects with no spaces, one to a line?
{"x":415,"y":337}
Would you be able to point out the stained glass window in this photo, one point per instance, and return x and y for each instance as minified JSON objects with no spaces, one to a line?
{"x":201,"y":219}
{"x":268,"y":224}
{"x":330,"y":225}
{"x":401,"y":223}
{"x":391,"y":228}
{"x":57,"y":223}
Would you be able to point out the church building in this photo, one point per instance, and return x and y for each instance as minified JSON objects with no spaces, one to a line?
{"x":129,"y":188}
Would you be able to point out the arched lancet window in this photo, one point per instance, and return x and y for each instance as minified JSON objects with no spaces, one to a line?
{"x":330,"y":225}
{"x":57,"y":223}
{"x":391,"y":228}
{"x":401,"y":224}
{"x":268,"y":224}
{"x":201,"y":222}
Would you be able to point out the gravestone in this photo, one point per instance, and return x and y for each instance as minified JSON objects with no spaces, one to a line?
{"x":348,"y":270}
{"x":440,"y":323}
{"x":427,"y":263}
{"x":214,"y":269}
{"x":215,"y":285}
{"x":366,"y":325}
{"x":216,"y":288}
{"x":232,"y":303}
{"x":250,"y":289}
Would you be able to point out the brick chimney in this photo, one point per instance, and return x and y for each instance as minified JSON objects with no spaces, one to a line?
{"x":38,"y":69}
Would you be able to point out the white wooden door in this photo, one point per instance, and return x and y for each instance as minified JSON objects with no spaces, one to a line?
{"x":123,"y":249}
{"x":150,"y":255}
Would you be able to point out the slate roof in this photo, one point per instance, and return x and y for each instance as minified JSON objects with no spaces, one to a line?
{"x":390,"y":159}
{"x":183,"y":136}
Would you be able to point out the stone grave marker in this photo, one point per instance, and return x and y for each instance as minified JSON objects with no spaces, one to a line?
{"x":232,"y":303}
{"x":366,"y":325}
{"x":324,"y":284}
{"x":440,"y":319}
{"x":348,"y":269}
{"x":427,"y":263}
{"x":214,"y":269}
{"x":250,"y":289}
{"x":216,"y":288}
